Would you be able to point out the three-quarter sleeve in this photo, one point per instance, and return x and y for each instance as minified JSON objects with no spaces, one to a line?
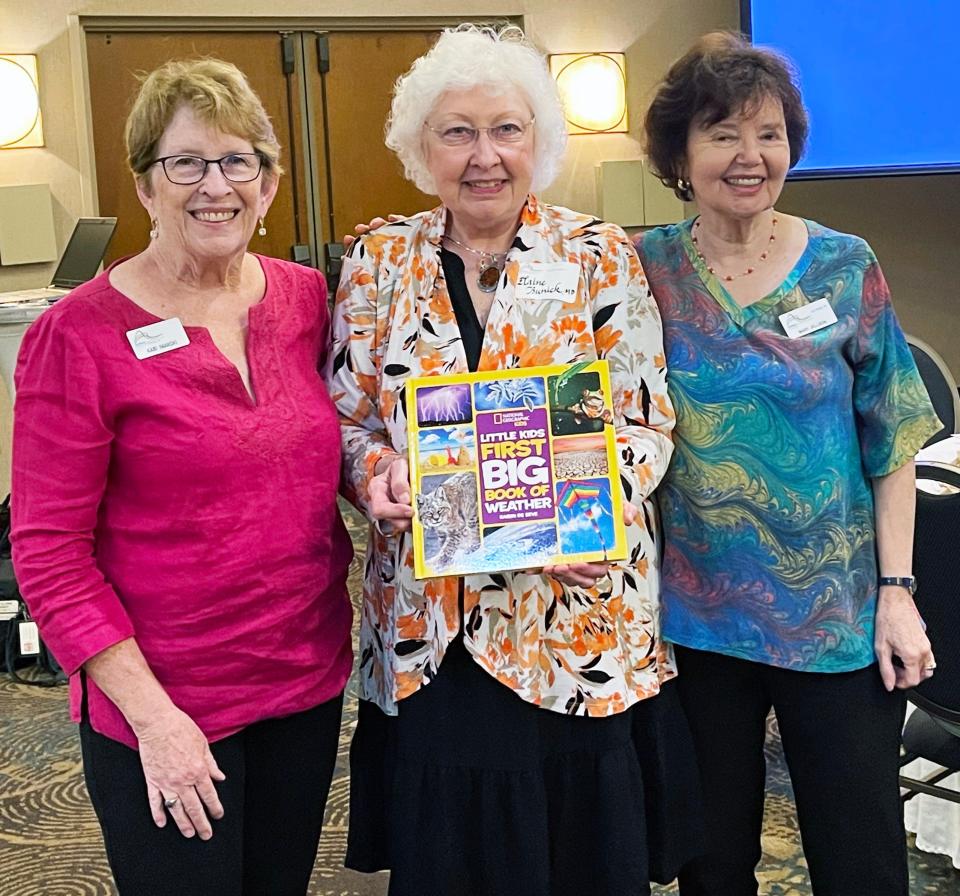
{"x":353,"y":377}
{"x":61,"y":458}
{"x":894,"y":413}
{"x":629,"y":334}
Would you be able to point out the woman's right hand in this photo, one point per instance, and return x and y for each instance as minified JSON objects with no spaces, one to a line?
{"x":390,"y":497}
{"x":178,"y":765}
{"x":360,"y":229}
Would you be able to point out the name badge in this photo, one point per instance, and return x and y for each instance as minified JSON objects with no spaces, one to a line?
{"x":155,"y":339}
{"x":548,"y":281}
{"x":808,"y":319}
{"x":29,"y":639}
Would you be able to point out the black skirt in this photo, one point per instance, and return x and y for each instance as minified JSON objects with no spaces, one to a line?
{"x":472,"y":791}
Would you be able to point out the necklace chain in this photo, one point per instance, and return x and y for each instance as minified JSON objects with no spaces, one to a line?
{"x":728,"y":278}
{"x":488,"y":275}
{"x":481,"y":252}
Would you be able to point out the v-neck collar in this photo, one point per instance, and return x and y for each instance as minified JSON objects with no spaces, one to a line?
{"x":135,"y":313}
{"x":738,"y":313}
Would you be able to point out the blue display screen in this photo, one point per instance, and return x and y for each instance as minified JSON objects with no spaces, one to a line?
{"x":879,"y":78}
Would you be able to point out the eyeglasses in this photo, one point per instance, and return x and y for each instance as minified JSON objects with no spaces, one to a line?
{"x":501,"y":134}
{"x":238,"y":167}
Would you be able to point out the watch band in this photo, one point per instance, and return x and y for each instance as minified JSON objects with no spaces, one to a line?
{"x":908,"y":582}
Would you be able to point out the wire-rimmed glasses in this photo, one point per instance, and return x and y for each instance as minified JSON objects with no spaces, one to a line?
{"x":503,"y":134}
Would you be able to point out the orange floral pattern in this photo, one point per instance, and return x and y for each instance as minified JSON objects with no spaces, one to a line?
{"x":581,"y":651}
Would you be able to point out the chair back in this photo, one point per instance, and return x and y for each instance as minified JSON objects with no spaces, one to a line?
{"x":936,"y":564}
{"x":940,"y":385}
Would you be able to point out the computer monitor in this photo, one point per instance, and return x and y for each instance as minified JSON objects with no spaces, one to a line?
{"x":85,"y":250}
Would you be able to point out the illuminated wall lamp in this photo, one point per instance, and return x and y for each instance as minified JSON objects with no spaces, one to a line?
{"x":20,"y":123}
{"x":593,"y":87}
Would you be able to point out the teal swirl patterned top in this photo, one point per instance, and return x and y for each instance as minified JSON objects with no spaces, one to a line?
{"x":767,"y":506}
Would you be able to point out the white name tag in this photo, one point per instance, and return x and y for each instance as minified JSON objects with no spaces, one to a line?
{"x":29,"y":639}
{"x":808,"y":319}
{"x":155,"y":339}
{"x":550,"y":281}
{"x":9,"y":609}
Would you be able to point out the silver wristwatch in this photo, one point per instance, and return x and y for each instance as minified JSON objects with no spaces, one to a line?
{"x":908,"y":582}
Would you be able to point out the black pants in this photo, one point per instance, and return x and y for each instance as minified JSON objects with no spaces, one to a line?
{"x":278,"y":775}
{"x":841,"y":739}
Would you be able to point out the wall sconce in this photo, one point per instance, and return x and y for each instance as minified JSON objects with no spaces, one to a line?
{"x":593,"y":87}
{"x":20,"y":123}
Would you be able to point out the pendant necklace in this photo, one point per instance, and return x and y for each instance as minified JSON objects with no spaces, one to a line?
{"x":490,"y":266}
{"x":729,"y":278}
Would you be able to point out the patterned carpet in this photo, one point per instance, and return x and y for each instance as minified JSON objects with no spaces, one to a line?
{"x":50,"y":843}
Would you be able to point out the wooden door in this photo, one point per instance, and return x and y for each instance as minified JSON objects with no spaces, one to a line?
{"x":365,"y":178}
{"x":329,"y":119}
{"x":114,"y":62}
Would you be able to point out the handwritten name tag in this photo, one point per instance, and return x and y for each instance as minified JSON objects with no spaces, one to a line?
{"x":155,"y":339}
{"x":808,"y":319}
{"x":548,"y":281}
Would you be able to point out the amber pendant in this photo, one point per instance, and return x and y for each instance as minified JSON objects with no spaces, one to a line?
{"x":488,"y":278}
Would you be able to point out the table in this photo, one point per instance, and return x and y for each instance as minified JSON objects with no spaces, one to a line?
{"x":936,"y":822}
{"x":946,"y":451}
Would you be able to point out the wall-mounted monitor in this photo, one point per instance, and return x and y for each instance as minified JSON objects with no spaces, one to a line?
{"x":880,"y":81}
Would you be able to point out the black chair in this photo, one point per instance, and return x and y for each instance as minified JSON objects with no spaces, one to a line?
{"x":941,"y":386}
{"x":933,"y":730}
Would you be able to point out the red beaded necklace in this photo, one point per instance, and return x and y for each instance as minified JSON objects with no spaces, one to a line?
{"x":730,"y":277}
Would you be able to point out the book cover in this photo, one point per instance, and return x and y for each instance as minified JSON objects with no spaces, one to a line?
{"x":513,"y":469}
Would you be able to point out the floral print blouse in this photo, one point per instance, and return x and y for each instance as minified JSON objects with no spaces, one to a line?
{"x":580,"y":651}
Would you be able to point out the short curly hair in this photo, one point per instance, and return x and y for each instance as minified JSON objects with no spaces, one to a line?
{"x":470,"y":56}
{"x":220,"y":96}
{"x":719,"y":75}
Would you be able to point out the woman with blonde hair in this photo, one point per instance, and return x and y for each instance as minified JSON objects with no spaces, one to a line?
{"x":175,"y":527}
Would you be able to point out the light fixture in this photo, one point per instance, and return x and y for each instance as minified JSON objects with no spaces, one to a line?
{"x":20,"y":123}
{"x":593,"y":87}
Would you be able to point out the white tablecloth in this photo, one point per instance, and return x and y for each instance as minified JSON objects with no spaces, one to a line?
{"x":936,"y":822}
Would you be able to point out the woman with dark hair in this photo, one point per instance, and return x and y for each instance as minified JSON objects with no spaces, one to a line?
{"x":788,"y":507}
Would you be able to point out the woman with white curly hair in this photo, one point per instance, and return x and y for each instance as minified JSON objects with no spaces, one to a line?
{"x":514,"y":733}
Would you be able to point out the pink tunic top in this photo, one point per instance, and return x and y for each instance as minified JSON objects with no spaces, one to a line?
{"x":155,"y":499}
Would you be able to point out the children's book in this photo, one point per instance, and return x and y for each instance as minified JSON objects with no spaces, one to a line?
{"x":514,"y":469}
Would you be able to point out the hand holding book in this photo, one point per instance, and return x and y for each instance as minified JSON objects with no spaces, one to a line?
{"x":390,"y":498}
{"x":587,"y":575}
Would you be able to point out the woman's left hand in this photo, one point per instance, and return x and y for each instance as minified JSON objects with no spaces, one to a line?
{"x":900,"y":634}
{"x":587,"y":575}
{"x":578,"y":575}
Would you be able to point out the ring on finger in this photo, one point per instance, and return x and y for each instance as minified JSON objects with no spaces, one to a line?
{"x":171,"y":802}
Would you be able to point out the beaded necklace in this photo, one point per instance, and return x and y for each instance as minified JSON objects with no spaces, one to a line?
{"x":728,"y":278}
